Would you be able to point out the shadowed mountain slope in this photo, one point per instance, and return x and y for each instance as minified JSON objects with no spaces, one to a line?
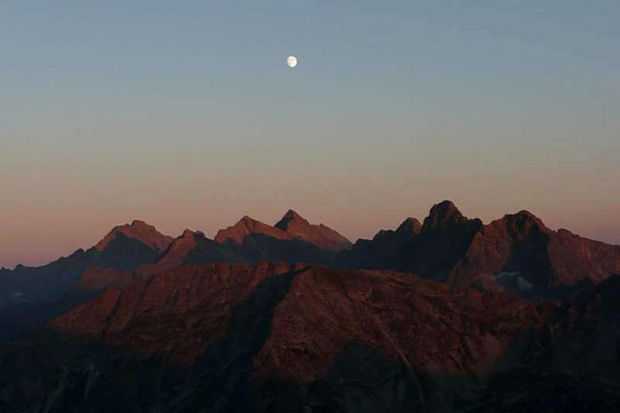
{"x":246,"y":227}
{"x":139,"y":231}
{"x":320,"y":235}
{"x":445,"y":236}
{"x":179,"y":314}
{"x":175,"y":314}
{"x":429,"y":250}
{"x":275,"y":337}
{"x":388,"y":249}
{"x":190,"y":248}
{"x":517,"y":252}
{"x":257,"y":241}
{"x":521,"y":253}
{"x":124,"y":249}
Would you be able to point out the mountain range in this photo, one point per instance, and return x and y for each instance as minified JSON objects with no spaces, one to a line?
{"x":517,"y":252}
{"x":444,"y":314}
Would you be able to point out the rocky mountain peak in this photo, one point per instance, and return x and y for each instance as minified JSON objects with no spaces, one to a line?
{"x":442,"y":215}
{"x":188,"y":233}
{"x":523,"y":222}
{"x":140,"y":231}
{"x":291,"y":218}
{"x":320,"y":235}
{"x":410,"y":225}
{"x":246,"y":226}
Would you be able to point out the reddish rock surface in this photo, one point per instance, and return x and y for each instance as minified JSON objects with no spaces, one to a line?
{"x":410,"y":225}
{"x":190,"y":248}
{"x":422,"y":323}
{"x":515,"y":244}
{"x":314,"y":339}
{"x":246,"y":226}
{"x":140,"y":231}
{"x":125,"y":248}
{"x":574,"y":258}
{"x":274,"y":337}
{"x":174,"y":257}
{"x":320,"y":235}
{"x":174,"y":336}
{"x":520,"y":245}
{"x":99,"y":279}
{"x":174,"y":314}
{"x":250,"y":240}
{"x":517,"y":252}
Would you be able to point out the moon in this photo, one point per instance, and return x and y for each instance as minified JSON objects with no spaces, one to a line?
{"x":291,"y":61}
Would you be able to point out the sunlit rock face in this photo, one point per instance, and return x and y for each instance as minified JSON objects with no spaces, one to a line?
{"x":524,"y":255}
{"x":124,"y":248}
{"x":285,"y":337}
{"x":516,"y":253}
{"x":320,"y":235}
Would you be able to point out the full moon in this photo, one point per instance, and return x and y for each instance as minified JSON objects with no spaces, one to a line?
{"x":291,"y":61}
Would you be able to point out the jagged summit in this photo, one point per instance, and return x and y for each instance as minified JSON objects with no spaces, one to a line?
{"x":188,"y":233}
{"x":291,"y":218}
{"x":190,"y":247}
{"x":140,"y":231}
{"x":292,"y":227}
{"x":409,"y":228}
{"x":246,"y":226}
{"x":443,"y":214}
{"x":523,"y":222}
{"x":320,"y":235}
{"x":447,"y":247}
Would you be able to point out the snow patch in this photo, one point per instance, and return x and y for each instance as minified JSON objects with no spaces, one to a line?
{"x":513,"y":278}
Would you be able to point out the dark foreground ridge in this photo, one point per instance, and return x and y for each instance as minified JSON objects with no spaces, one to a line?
{"x":275,"y":337}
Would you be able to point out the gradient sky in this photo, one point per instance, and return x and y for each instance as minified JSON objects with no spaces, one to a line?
{"x":184,"y":114}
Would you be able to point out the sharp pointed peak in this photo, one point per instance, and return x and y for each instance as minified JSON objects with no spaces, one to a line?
{"x":245,"y":219}
{"x":248,"y":222}
{"x":291,"y":216}
{"x":248,"y":225}
{"x":138,"y":230}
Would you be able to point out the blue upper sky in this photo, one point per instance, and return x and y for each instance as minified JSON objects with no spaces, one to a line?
{"x":113,"y":108}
